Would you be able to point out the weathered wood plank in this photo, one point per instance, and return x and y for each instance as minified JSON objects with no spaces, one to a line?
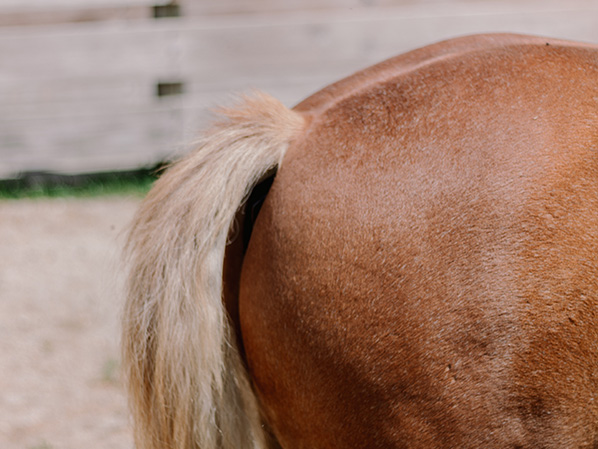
{"x":195,"y":8}
{"x":33,"y":18}
{"x":329,"y":43}
{"x":54,"y":11}
{"x":200,"y":8}
{"x":89,"y":51}
{"x":86,"y":144}
{"x":6,"y":5}
{"x":42,"y":12}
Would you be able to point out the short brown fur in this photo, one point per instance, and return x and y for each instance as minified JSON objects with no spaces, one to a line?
{"x":424,"y":270}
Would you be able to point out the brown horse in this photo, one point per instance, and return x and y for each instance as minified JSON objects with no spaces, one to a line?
{"x":423,"y":272}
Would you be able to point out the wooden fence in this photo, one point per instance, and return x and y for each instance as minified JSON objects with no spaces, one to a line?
{"x":95,"y":85}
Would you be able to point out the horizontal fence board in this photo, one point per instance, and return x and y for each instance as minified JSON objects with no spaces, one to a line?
{"x":20,"y":98}
{"x":35,"y":12}
{"x":82,"y":97}
{"x":32,"y":18}
{"x":196,"y":8}
{"x":45,"y":5}
{"x":41,"y":12}
{"x":110,"y":142}
{"x":346,"y":45}
{"x":90,"y":51}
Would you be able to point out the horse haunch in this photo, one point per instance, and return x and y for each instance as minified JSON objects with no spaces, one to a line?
{"x":423,"y":271}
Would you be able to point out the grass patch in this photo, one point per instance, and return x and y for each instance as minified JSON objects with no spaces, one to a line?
{"x":110,"y":371}
{"x":42,"y":445}
{"x":52,"y":185}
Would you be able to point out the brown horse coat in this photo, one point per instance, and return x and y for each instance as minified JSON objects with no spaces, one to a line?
{"x":423,"y":272}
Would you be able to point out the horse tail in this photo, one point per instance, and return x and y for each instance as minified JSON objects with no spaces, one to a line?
{"x":187,"y":385}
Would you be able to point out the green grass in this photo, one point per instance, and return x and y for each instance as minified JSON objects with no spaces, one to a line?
{"x":49,"y":185}
{"x":42,"y":445}
{"x":110,"y":371}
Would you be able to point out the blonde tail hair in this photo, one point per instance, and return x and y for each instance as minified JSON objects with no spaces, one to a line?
{"x":187,"y":385}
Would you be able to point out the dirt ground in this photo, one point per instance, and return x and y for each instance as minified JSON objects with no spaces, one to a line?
{"x":60,"y":301}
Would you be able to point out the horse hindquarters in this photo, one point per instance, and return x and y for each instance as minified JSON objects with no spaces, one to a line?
{"x":424,"y":270}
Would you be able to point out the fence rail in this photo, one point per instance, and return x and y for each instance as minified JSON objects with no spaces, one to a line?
{"x":123,"y":89}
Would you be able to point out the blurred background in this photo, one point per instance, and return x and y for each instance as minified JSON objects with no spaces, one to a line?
{"x":96,"y":89}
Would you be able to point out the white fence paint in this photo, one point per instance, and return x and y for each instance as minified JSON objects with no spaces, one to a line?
{"x":80,"y":96}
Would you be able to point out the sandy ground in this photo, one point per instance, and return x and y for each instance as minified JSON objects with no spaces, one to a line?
{"x":60,"y":301}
